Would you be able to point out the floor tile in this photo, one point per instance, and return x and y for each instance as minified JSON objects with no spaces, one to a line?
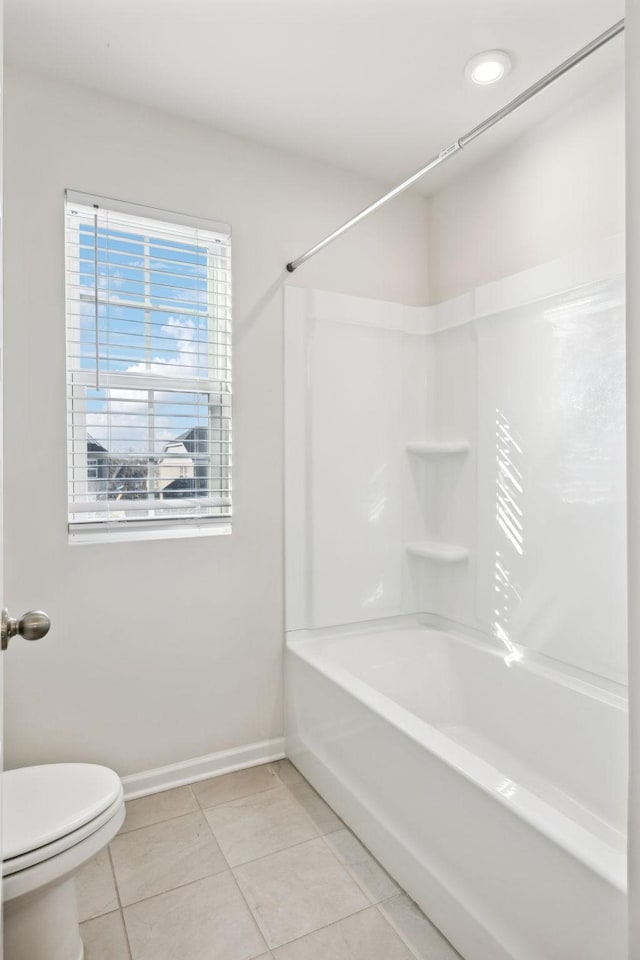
{"x":232,"y":786}
{"x":374,"y":880}
{"x":363,"y":936}
{"x":298,"y":890}
{"x":206,"y":920}
{"x":166,"y":855}
{"x":314,"y":806}
{"x":258,"y":825}
{"x":104,"y":938}
{"x":159,"y":806}
{"x":287,"y":772}
{"x":96,"y":887}
{"x":422,"y":937}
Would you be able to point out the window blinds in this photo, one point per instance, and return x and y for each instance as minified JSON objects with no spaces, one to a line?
{"x":149,"y":365}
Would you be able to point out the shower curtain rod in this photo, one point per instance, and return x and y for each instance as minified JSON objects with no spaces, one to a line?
{"x":466,"y":139}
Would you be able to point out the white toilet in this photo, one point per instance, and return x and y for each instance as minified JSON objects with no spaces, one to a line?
{"x":55,"y":817}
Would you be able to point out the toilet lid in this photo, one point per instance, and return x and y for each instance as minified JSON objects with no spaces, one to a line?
{"x":41,"y":804}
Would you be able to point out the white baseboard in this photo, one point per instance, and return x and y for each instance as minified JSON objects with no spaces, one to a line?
{"x":201,"y":768}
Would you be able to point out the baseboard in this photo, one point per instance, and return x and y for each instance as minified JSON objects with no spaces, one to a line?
{"x":201,"y":768}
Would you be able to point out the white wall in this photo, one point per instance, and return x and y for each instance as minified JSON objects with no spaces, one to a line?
{"x":164,"y":650}
{"x":556,"y":189}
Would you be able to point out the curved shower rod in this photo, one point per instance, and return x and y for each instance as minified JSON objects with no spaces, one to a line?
{"x":466,"y":139}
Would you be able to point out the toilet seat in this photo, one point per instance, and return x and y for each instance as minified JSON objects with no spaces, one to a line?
{"x":50,"y":808}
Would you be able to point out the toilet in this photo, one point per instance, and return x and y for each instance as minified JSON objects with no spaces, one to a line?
{"x":55,"y":817}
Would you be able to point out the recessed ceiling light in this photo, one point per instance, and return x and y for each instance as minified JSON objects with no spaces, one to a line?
{"x":488,"y":67}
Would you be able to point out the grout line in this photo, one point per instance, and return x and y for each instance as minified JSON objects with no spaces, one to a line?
{"x":98,"y":916}
{"x":252,"y":913}
{"x":274,"y":853}
{"x":155,"y":823}
{"x":241,"y":892}
{"x":449,"y":945}
{"x":101,"y":916}
{"x":215,"y":840}
{"x":268,"y":763}
{"x":396,"y":930}
{"x":325,"y":926}
{"x":180,"y":886}
{"x":226,"y":868}
{"x":259,"y":793}
{"x":354,"y":876}
{"x":316,"y":795}
{"x":284,"y":850}
{"x":318,"y":833}
{"x":113,"y":875}
{"x":120,"y":910}
{"x":319,"y":836}
{"x":347,"y":870}
{"x":126,"y":934}
{"x":307,"y":815}
{"x":115,"y":885}
{"x":252,"y":793}
{"x":274,"y":766}
{"x":353,"y":873}
{"x":203,"y":810}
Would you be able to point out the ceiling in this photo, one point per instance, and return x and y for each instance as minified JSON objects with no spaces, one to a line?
{"x":374,"y":86}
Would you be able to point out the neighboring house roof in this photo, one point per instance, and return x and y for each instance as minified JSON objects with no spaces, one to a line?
{"x":194,"y":440}
{"x":93,"y":446}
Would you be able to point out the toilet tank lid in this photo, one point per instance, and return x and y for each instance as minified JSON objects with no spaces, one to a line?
{"x":44,"y":803}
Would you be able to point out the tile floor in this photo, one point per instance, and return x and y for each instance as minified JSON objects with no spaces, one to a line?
{"x":249,"y":866}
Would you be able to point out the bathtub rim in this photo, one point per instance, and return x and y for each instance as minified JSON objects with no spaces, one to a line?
{"x":592,"y":851}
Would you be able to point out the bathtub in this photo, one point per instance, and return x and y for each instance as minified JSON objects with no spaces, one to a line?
{"x":490,"y":785}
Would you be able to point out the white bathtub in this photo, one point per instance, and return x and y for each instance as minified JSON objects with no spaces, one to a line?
{"x":493,"y":789}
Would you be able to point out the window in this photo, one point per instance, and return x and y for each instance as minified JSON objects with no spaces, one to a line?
{"x":149,"y":367}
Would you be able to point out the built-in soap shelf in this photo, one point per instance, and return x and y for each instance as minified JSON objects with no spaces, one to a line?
{"x":431,"y":549}
{"x":437,"y":448}
{"x":440,"y":552}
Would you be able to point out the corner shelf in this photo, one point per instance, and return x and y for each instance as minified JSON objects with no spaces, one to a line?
{"x":437,"y":448}
{"x":441,"y":552}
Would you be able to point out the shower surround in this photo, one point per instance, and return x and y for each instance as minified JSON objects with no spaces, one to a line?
{"x":456,"y":580}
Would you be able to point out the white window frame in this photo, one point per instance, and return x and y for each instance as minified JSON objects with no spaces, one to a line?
{"x":125,"y":521}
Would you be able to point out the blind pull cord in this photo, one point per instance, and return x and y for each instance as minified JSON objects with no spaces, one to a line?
{"x":95,"y":292}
